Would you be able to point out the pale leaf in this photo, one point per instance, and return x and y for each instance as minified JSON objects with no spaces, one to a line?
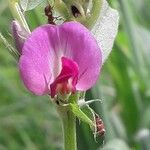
{"x":30,"y":4}
{"x":105,"y":29}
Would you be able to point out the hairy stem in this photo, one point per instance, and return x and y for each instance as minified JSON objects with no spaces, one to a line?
{"x":69,"y":123}
{"x":69,"y":131}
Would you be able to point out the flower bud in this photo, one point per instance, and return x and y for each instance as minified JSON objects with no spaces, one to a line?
{"x":19,"y":34}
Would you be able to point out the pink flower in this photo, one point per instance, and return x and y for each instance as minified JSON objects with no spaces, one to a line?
{"x":60,"y":59}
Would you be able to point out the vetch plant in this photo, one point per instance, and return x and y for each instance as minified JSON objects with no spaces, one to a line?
{"x":63,"y":59}
{"x":60,"y":60}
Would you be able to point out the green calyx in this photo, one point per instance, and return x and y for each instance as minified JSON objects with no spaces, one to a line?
{"x":83,"y":11}
{"x":85,"y":114}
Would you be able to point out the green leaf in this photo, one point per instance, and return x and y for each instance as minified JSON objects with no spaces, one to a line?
{"x":106,"y":28}
{"x":90,"y":114}
{"x":80,"y":114}
{"x":10,"y":48}
{"x":30,"y":4}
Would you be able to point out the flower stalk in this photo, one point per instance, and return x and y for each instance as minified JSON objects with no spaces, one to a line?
{"x":69,"y":123}
{"x":69,"y":131}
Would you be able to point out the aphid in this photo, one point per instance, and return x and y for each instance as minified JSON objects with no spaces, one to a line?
{"x":99,"y":126}
{"x":48,"y":12}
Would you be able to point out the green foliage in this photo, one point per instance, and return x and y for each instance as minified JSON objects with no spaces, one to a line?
{"x":31,"y":122}
{"x":80,"y":114}
{"x":30,"y":4}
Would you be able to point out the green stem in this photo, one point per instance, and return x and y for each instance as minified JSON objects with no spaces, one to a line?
{"x":69,"y":123}
{"x":69,"y":131}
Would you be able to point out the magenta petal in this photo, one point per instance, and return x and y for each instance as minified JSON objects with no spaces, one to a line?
{"x":54,"y":54}
{"x":37,"y":58}
{"x":81,"y":46}
{"x":69,"y":71}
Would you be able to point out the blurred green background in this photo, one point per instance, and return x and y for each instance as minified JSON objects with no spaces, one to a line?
{"x":28,"y":122}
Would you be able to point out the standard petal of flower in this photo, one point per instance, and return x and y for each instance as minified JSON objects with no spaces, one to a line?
{"x":106,"y":28}
{"x":41,"y":65}
{"x":37,"y":59}
{"x":80,"y":46}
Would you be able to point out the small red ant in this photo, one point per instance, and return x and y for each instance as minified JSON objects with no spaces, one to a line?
{"x":48,"y":12}
{"x":99,"y":126}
